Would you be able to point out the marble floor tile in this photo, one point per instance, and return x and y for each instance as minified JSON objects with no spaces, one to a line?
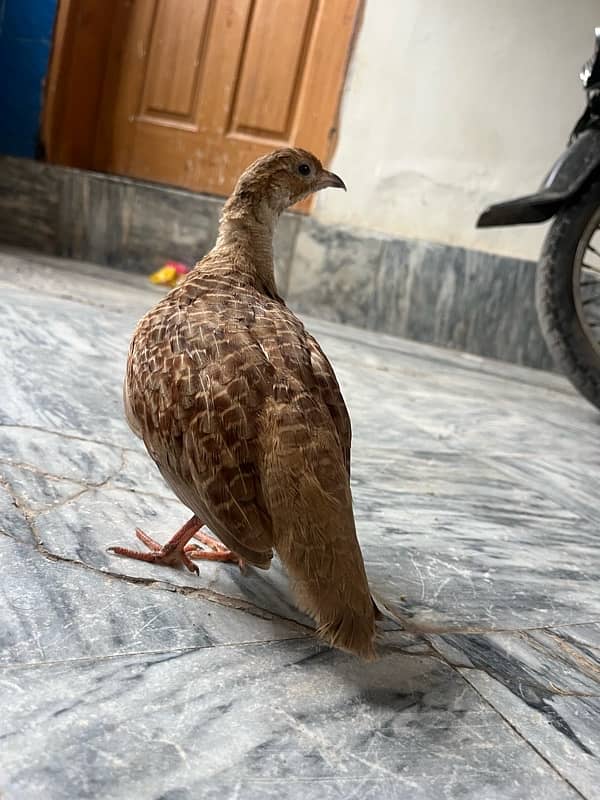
{"x":484,"y":424}
{"x":36,"y":490}
{"x":546,"y":683}
{"x":12,"y":523}
{"x":84,"y":349}
{"x":451,"y":542}
{"x":532,"y":662}
{"x":58,"y":456}
{"x":83,"y":529}
{"x":432,"y":363}
{"x":473,"y":490}
{"x":570,"y":479}
{"x":87,"y":283}
{"x":563,"y":729}
{"x":411,"y":524}
{"x":56,"y":611}
{"x":286,"y":719}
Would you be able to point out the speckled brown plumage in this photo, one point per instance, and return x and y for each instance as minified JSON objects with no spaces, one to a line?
{"x":242,"y":413}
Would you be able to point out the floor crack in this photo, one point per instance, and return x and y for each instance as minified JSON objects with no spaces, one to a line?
{"x":30,"y":517}
{"x":74,"y":436}
{"x":210,"y":595}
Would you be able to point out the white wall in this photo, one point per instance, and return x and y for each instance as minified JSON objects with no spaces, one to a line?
{"x":454,"y":104}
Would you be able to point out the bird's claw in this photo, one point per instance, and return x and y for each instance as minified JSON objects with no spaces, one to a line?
{"x":172,"y":558}
{"x":215,"y":552}
{"x":171,"y":554}
{"x":177,"y":552}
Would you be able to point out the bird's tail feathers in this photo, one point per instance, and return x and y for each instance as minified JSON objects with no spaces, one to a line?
{"x":308,"y":494}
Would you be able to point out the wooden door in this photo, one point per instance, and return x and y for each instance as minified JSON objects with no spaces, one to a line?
{"x":197,"y":89}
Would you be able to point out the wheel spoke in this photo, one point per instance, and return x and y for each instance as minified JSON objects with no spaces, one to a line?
{"x":587,"y":300}
{"x":593,"y":249}
{"x":586,"y":283}
{"x":590,"y":267}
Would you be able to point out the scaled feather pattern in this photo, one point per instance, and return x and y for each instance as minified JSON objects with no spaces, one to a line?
{"x":241,"y":410}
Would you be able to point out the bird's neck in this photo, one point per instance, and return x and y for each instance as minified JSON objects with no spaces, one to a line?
{"x":245,"y":239}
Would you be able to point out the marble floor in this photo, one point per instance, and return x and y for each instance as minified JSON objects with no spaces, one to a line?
{"x":475,"y":487}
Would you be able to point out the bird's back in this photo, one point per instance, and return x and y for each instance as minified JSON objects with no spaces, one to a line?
{"x":242,"y":413}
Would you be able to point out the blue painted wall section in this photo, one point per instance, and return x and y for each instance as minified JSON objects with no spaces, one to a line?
{"x":25,"y":37}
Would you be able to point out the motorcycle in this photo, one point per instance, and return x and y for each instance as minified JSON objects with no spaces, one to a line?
{"x":567,"y":292}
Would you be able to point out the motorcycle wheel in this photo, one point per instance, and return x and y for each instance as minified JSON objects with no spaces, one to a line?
{"x":568,"y":292}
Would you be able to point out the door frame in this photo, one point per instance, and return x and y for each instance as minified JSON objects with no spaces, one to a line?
{"x":83,"y":78}
{"x":76,"y":79}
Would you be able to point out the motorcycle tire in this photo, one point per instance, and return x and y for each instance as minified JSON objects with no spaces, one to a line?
{"x":569,"y":339}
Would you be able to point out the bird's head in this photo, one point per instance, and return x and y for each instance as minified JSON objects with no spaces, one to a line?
{"x":284,"y":177}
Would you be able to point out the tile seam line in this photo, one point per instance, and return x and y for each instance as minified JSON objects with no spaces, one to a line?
{"x":526,"y":741}
{"x":85,"y":660}
{"x":436,"y":653}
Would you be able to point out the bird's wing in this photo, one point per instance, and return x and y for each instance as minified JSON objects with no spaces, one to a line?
{"x":331,"y":395}
{"x":196,"y":390}
{"x":306,"y":477}
{"x":301,"y":368}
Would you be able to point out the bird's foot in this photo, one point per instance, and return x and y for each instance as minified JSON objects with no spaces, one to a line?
{"x":173,"y":553}
{"x":215,"y":552}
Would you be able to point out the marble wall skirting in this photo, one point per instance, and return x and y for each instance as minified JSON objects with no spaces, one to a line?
{"x":468,"y":300}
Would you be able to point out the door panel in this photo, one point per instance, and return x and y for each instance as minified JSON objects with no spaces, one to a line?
{"x":266,"y":98}
{"x":176,"y":48}
{"x":200,"y":88}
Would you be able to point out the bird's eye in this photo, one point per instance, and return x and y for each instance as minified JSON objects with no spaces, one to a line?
{"x":304,"y":169}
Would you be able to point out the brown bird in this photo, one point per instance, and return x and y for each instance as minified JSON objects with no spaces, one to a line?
{"x":241,"y":411}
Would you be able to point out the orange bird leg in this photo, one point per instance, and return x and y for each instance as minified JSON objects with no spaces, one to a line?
{"x":217,"y":551}
{"x":172,"y":554}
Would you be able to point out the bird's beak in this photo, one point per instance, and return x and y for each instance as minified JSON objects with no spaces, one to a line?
{"x":327,"y":179}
